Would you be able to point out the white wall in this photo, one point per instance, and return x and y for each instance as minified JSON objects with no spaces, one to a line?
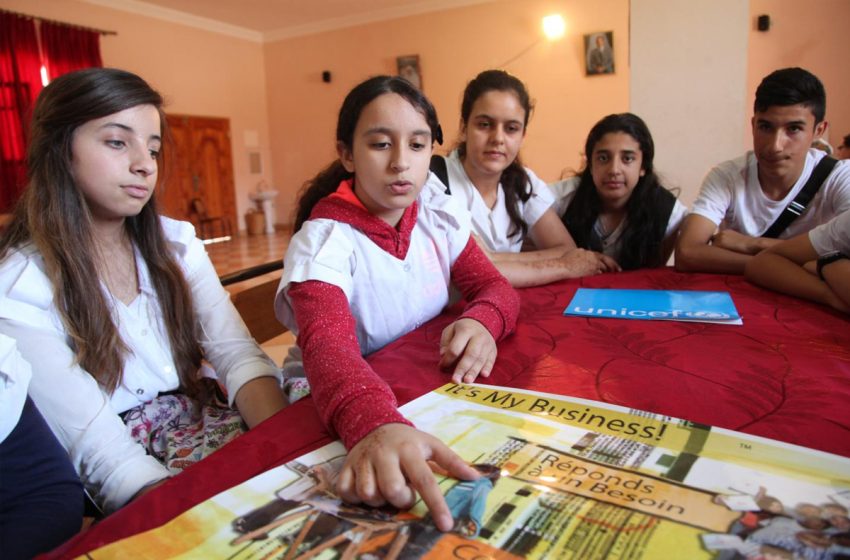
{"x":689,"y":82}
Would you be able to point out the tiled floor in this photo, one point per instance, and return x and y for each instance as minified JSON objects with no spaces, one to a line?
{"x":245,"y":251}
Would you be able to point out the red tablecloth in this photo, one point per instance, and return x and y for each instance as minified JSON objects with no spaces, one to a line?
{"x":783,"y":374}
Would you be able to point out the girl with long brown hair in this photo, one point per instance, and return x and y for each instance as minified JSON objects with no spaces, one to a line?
{"x":114,"y":306}
{"x":511,"y":209}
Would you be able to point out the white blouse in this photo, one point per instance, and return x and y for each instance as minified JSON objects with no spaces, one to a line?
{"x":84,"y":418}
{"x":493,"y":225}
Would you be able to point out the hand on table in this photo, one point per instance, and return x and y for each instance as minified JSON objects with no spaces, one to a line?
{"x":390,"y":465}
{"x":608,"y":263}
{"x":470,"y":347}
{"x":732,"y":240}
{"x":581,"y":262}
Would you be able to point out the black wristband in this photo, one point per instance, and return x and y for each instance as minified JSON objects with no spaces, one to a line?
{"x":827,"y":259}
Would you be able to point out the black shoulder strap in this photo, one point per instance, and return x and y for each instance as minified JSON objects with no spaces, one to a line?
{"x":806,"y":194}
{"x":439,"y":168}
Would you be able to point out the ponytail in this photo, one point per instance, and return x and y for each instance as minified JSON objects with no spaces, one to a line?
{"x":314,"y":190}
{"x":517,"y":188}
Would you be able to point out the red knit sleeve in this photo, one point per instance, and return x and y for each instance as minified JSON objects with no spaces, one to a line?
{"x":492,"y":301}
{"x":351,"y":398}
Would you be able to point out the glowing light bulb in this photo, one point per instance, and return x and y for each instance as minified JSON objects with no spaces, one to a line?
{"x":554,"y":27}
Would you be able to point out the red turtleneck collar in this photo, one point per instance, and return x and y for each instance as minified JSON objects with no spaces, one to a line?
{"x":344,"y":206}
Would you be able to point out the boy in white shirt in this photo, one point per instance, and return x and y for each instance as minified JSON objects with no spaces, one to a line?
{"x":744,"y":197}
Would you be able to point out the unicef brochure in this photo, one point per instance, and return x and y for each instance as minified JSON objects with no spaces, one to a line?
{"x":560,"y":478}
{"x":657,"y":305}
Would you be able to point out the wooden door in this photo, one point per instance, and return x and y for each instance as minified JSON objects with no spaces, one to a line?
{"x":201,"y":167}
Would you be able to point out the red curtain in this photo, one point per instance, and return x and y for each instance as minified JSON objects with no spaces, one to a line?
{"x":20,"y":83}
{"x":64,"y":49}
{"x":68,"y":48}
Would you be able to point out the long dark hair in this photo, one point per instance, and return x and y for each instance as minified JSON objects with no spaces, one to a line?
{"x":53,"y":215}
{"x":327,"y":181}
{"x":643,"y":236}
{"x":515,"y":181}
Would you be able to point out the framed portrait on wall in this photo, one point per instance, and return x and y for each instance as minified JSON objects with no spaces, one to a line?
{"x":599,"y":53}
{"x":408,"y":68}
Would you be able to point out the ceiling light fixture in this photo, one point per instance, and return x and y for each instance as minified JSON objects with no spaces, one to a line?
{"x":554,"y":27}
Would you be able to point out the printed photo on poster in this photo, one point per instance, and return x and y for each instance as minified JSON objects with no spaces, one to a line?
{"x":599,"y":53}
{"x":408,"y":68}
{"x":559,"y":477}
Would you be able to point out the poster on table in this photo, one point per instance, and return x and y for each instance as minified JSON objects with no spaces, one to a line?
{"x":560,"y":478}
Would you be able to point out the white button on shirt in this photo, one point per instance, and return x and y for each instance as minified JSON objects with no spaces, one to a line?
{"x":84,"y":418}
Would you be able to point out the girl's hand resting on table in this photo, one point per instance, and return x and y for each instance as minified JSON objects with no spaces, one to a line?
{"x":582,"y":262}
{"x":390,"y":465}
{"x":469,"y":345}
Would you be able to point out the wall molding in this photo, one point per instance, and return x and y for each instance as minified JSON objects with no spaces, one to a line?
{"x":214,"y":26}
{"x":181,"y":18}
{"x":387,"y":14}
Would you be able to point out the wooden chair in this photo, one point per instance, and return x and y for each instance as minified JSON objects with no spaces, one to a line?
{"x":256,"y":306}
{"x":254,"y":303}
{"x":210,"y":226}
{"x":253,"y":291}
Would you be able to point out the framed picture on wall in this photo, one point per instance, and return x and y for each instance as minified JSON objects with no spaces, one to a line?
{"x":599,"y":53}
{"x":408,"y":68}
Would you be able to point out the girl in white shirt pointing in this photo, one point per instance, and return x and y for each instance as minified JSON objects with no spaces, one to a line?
{"x":114,"y":306}
{"x":374,"y":253}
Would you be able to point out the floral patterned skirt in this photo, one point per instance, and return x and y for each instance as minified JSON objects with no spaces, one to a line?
{"x":178,"y":431}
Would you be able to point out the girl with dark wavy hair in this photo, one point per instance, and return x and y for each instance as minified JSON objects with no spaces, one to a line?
{"x":617,"y":205}
{"x":114,"y":306}
{"x":374,"y":253}
{"x":509,"y":204}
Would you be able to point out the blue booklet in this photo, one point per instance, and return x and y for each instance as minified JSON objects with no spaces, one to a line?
{"x":655,"y":305}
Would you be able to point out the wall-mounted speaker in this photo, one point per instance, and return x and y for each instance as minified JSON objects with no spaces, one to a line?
{"x":326,"y":76}
{"x":763,"y":22}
